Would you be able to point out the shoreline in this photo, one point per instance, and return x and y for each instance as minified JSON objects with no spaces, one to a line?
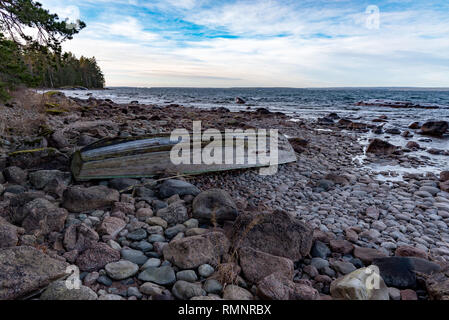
{"x":342,"y":203}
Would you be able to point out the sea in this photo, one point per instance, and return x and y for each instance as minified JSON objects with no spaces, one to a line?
{"x":311,"y":103}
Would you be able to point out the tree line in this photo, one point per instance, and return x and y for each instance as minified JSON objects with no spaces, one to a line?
{"x":30,"y":50}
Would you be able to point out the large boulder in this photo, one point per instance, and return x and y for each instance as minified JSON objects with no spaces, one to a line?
{"x":79,"y":237}
{"x":378,"y":146}
{"x":24,"y":270}
{"x":191,"y":252}
{"x":40,"y":179}
{"x":444,"y":176}
{"x":214,"y":205}
{"x":434,"y":128}
{"x":275,"y":233}
{"x":175,"y":213}
{"x":41,"y":214}
{"x":58,"y":290}
{"x":79,"y":199}
{"x":182,"y":188}
{"x":362,"y":284}
{"x":278,"y":287}
{"x":96,"y":257}
{"x":256,"y":265}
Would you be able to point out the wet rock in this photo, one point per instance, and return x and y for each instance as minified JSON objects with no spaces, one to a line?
{"x":239,"y":100}
{"x":434,"y":128}
{"x":175,"y":213}
{"x":163,"y":275}
{"x":96,"y":257}
{"x":275,"y":233}
{"x":24,"y":270}
{"x":353,"y":287}
{"x":79,"y":199}
{"x":191,"y":252}
{"x":214,"y":205}
{"x":412,"y":145}
{"x":397,"y":272}
{"x":40,"y":179}
{"x":15,"y":175}
{"x":256,"y":265}
{"x":184,"y":290}
{"x":58,"y":291}
{"x":171,"y":187}
{"x":378,"y":146}
{"x":121,"y":269}
{"x":278,"y":287}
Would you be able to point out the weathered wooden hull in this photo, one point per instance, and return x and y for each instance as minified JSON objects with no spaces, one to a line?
{"x":149,"y":156}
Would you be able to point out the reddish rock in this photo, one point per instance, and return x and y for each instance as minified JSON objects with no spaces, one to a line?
{"x":275,"y":233}
{"x":341,"y":246}
{"x":256,"y":265}
{"x":79,"y":199}
{"x":126,"y":208}
{"x":367,"y":255}
{"x":111,"y":226}
{"x":96,"y":257}
{"x":407,"y":251}
{"x":408,"y":294}
{"x":412,"y":145}
{"x":351,"y":235}
{"x":191,"y":252}
{"x":8,"y":234}
{"x":444,"y":176}
{"x":42,"y":214}
{"x":437,"y":286}
{"x":434,"y":128}
{"x":444,"y":186}
{"x":79,"y":237}
{"x":277,"y":287}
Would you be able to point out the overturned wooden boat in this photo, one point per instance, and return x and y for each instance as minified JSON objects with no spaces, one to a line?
{"x":151,"y":155}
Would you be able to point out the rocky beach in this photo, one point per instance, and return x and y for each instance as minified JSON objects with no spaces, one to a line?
{"x":313,"y":231}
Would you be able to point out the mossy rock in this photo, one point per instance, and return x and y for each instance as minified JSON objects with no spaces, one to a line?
{"x":39,"y":159}
{"x":55,"y":112}
{"x":53,"y":93}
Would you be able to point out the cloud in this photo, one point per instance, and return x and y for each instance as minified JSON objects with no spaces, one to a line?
{"x":264,"y":42}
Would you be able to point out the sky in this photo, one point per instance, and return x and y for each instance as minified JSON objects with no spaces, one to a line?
{"x":263,"y":43}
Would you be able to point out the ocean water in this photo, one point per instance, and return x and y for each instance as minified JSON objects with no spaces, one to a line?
{"x":310,"y":104}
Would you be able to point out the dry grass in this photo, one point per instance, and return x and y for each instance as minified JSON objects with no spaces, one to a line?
{"x":27,"y":111}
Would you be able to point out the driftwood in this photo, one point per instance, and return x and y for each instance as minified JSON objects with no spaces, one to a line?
{"x":149,"y":156}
